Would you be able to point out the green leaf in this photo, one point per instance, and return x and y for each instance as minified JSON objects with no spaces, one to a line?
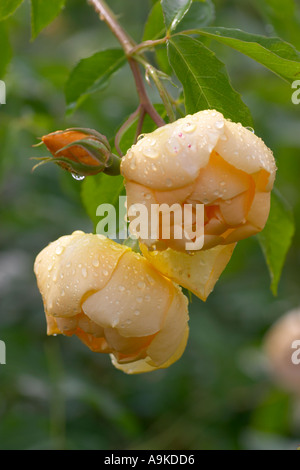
{"x":174,"y":11}
{"x":92,"y":74}
{"x":6,"y":52}
{"x":278,"y":56}
{"x":101,"y":189}
{"x":201,"y":13}
{"x":283,"y":16}
{"x":205,"y":81}
{"x":43,"y":13}
{"x":275,"y":240}
{"x":155,"y":27}
{"x":8,"y":7}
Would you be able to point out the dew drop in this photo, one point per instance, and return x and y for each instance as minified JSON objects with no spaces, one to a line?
{"x":121,"y":288}
{"x":150,"y":280}
{"x":137,"y":312}
{"x":151,"y":152}
{"x":95,"y":262}
{"x":189,"y":127}
{"x":84,"y":272}
{"x":140,"y":137}
{"x":133,"y":165}
{"x":219,"y":124}
{"x":250,"y":129}
{"x":59,"y":250}
{"x":139,"y":300}
{"x":105,"y":273}
{"x":169,"y":182}
{"x":141,"y":285}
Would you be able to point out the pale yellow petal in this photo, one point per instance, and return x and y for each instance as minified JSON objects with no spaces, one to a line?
{"x":168,"y":339}
{"x":144,"y":365}
{"x":197,"y":272}
{"x":134,"y":301}
{"x":73,"y":267}
{"x":171,"y":156}
{"x":246,"y":151}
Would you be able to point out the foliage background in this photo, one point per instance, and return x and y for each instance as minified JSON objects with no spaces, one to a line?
{"x":55,"y":393}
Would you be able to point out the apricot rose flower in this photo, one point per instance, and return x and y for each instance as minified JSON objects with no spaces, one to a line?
{"x":203,"y":159}
{"x":114,"y":300}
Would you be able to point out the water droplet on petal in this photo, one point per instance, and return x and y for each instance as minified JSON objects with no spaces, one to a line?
{"x":219,"y":124}
{"x":95,"y":262}
{"x":121,"y":288}
{"x":189,"y":127}
{"x":151,"y":152}
{"x":250,"y":129}
{"x":84,"y":272}
{"x":59,"y":250}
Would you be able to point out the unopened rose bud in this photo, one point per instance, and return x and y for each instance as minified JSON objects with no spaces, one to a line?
{"x":203,"y":159}
{"x":82,"y":152}
{"x":113,"y":300}
{"x":282,"y":346}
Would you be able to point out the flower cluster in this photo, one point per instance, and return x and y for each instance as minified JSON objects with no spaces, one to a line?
{"x":130,"y":305}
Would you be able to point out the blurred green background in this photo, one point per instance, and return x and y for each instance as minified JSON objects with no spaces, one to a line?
{"x":54,"y":392}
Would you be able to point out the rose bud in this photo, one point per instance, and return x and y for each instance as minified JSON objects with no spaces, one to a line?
{"x":203,"y":159}
{"x":282,"y":347}
{"x":114,"y":300}
{"x":81,"y":151}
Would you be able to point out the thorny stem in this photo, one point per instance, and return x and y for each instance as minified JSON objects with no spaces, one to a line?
{"x":129,"y":46}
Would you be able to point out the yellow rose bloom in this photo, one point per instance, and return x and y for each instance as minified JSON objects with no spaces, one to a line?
{"x":114,"y":300}
{"x":203,"y":159}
